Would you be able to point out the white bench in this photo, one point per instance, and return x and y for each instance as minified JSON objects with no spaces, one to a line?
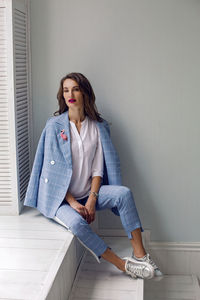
{"x":38,"y":257}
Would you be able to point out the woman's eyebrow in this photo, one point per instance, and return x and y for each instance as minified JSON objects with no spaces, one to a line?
{"x":72,"y":87}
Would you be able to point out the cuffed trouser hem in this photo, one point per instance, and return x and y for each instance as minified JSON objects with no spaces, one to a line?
{"x":128,"y":231}
{"x":102,"y":253}
{"x":98,"y":257}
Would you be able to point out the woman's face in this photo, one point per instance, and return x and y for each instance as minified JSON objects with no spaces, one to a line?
{"x":72,"y":92}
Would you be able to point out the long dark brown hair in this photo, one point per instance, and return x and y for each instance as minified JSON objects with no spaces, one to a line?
{"x":90,"y":108}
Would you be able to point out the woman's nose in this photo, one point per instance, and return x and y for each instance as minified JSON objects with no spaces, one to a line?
{"x":71,"y":93}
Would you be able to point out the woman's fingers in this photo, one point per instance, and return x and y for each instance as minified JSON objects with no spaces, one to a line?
{"x":84,"y":213}
{"x":92,"y":217}
{"x":87,"y":215}
{"x":81,"y":211}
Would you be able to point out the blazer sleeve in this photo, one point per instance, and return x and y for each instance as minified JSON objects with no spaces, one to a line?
{"x":97,"y":164}
{"x":112,"y":160}
{"x":33,"y":185}
{"x":107,"y":126}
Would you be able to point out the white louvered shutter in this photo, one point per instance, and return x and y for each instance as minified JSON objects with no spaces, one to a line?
{"x":15,"y":102}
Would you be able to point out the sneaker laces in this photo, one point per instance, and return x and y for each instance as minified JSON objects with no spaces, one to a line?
{"x":150,"y":261}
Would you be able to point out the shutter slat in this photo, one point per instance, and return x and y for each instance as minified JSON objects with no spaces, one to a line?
{"x":5,"y":164}
{"x":22,"y":107}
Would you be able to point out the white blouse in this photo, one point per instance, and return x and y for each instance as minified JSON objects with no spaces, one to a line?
{"x":87,"y":157}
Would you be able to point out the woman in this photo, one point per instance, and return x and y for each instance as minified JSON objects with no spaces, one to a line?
{"x":76,"y":171}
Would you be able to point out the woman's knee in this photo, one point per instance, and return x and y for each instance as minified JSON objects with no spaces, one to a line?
{"x":124,"y":191}
{"x":124,"y":194}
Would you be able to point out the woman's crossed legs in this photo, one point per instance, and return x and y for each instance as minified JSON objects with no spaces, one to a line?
{"x":110,"y":196}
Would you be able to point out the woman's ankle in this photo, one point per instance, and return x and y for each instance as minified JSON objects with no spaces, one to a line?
{"x":111,"y":257}
{"x":139,"y":253}
{"x":121,"y":266}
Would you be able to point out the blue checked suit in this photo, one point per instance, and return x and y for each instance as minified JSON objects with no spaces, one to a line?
{"x":50,"y":179}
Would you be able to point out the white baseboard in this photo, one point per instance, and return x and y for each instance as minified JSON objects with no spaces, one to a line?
{"x":181,"y":258}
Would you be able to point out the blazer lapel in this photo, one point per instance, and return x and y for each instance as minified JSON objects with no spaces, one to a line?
{"x":65,"y":145}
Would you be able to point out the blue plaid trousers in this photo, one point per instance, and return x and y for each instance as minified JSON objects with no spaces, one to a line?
{"x":109,"y":196}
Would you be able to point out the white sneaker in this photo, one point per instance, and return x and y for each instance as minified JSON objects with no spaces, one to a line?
{"x":138,"y":269}
{"x":147,"y":258}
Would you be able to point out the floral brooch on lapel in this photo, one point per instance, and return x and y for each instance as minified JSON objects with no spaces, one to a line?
{"x":63,"y":135}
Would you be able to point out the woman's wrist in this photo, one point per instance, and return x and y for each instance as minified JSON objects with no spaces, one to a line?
{"x":92,"y":199}
{"x":72,"y":202}
{"x":70,"y":199}
{"x":94,"y":194}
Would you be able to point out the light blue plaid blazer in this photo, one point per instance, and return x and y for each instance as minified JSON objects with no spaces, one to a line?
{"x":52,"y":167}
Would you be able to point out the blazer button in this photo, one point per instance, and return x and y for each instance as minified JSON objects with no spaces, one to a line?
{"x":46,"y":180}
{"x":53,"y":162}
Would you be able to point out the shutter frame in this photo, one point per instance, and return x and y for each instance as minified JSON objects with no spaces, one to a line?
{"x":15,"y":115}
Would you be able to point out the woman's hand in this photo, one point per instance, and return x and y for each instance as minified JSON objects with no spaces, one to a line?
{"x":90,"y":205}
{"x":81,"y":209}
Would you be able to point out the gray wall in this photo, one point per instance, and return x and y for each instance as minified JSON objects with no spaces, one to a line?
{"x":142,"y":59}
